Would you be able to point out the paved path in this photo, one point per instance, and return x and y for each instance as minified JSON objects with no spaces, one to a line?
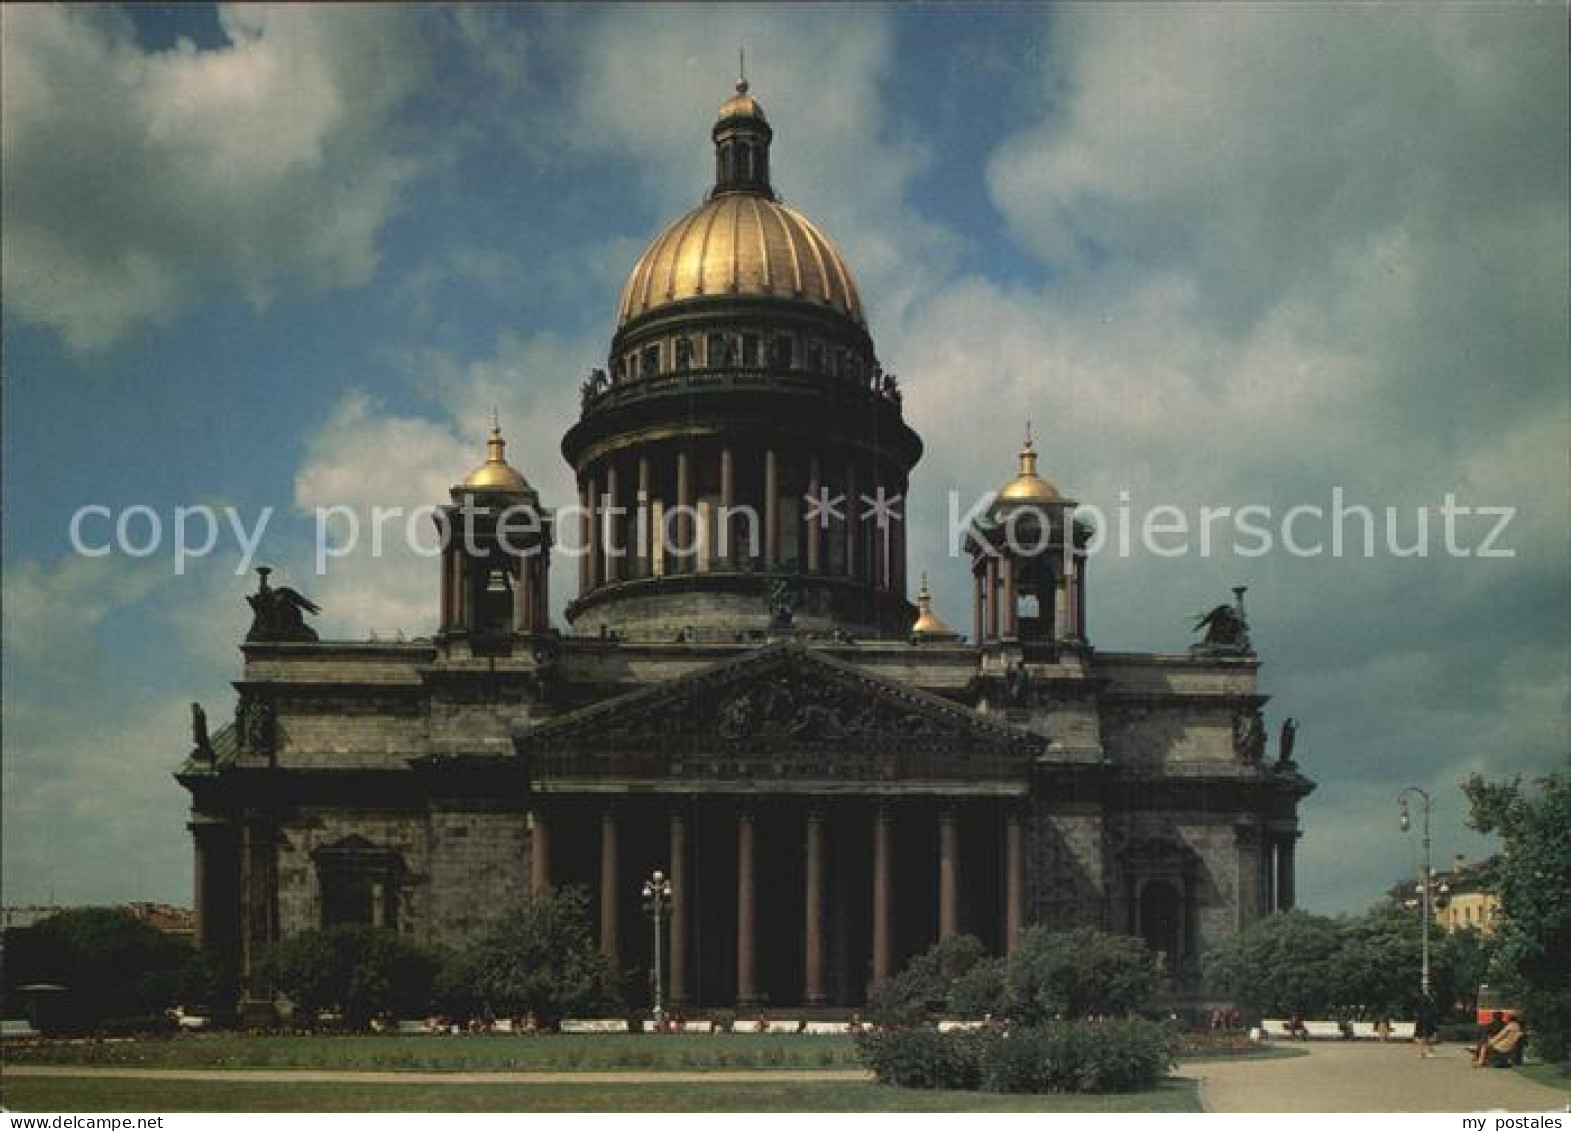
{"x":338,"y":1076}
{"x":1365,"y":1076}
{"x":1331,"y":1077}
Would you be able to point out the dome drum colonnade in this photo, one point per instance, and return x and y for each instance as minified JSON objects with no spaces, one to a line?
{"x":742,"y":384}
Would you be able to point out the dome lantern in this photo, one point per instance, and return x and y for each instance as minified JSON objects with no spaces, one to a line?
{"x":742,"y":136}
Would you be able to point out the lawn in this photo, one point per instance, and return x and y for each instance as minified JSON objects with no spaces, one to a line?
{"x":23,"y":1093}
{"x":1554,"y":1075}
{"x":559,"y":1052}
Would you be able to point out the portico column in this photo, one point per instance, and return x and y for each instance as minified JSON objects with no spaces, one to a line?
{"x":815,"y":481}
{"x":595,"y":574}
{"x":610,"y":545}
{"x":684,"y":500}
{"x":539,"y":853}
{"x":746,"y":977}
{"x":523,"y":595}
{"x":948,"y":872}
{"x":200,"y":911}
{"x":771,"y":509}
{"x":882,"y":935}
{"x":1014,"y":879}
{"x":978,"y":608}
{"x":726,"y":551}
{"x":542,"y":614}
{"x":678,"y":865}
{"x":813,"y":936}
{"x":585,"y":523}
{"x":646,"y":540}
{"x":1285,"y":896}
{"x":610,"y":887}
{"x":448,"y":621}
{"x":992,"y":599}
{"x":853,"y":520}
{"x":1011,"y":600}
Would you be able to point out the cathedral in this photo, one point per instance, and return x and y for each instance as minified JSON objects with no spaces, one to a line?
{"x":743,"y":695}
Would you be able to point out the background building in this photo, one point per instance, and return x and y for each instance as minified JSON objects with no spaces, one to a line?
{"x":745,"y":695}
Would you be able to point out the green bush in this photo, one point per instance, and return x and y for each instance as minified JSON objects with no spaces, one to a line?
{"x":1547,"y":1018}
{"x":1078,"y":974}
{"x":357,"y":972}
{"x":1116,"y":1055}
{"x":147,"y":1025}
{"x":953,"y":976}
{"x":924,"y":1058}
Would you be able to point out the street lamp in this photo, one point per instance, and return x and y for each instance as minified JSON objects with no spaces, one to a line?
{"x":1425,"y":886}
{"x":657,"y":901}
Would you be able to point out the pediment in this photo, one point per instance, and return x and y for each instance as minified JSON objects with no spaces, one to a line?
{"x":778,"y":709}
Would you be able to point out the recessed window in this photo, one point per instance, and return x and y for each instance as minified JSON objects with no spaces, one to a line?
{"x":684,"y":354}
{"x":780,"y":351}
{"x":651,"y":361}
{"x":749,"y":349}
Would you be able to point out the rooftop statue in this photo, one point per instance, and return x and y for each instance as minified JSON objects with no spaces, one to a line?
{"x":279,"y":614}
{"x":1226,"y":629}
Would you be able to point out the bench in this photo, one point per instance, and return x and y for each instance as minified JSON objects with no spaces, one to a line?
{"x":17,"y":1027}
{"x":594,"y":1025}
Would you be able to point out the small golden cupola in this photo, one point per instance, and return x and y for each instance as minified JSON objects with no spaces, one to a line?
{"x":929,"y":624}
{"x":1027,"y":486}
{"x":496,"y":474}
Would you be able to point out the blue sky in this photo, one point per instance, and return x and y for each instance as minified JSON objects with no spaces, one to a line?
{"x":1220,"y":255}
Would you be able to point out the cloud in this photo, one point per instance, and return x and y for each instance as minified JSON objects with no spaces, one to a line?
{"x":1287,"y":250}
{"x":134,"y":180}
{"x":102,"y":659}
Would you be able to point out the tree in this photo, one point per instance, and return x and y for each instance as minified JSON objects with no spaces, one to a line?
{"x":1079,"y":973}
{"x":1533,"y":882}
{"x":954,"y":975}
{"x":114,"y":965}
{"x":359,"y":972}
{"x":1377,"y":967}
{"x":1282,"y":964}
{"x":542,"y":960}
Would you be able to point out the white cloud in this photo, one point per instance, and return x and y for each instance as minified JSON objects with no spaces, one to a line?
{"x":133,"y":180}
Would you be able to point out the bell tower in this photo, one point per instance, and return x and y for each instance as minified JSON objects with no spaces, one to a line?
{"x":496,"y":555}
{"x":1028,"y":566}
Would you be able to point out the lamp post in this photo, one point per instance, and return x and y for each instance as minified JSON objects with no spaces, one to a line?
{"x":1425,"y":892}
{"x":657,"y":901}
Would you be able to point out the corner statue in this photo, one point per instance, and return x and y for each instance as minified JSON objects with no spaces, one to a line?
{"x":278,"y":614}
{"x":1226,"y":629}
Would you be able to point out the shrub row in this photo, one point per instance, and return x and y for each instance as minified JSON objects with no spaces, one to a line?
{"x":1117,"y":1055}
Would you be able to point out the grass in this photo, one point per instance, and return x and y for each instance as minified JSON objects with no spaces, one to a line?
{"x":1554,"y":1075}
{"x":82,"y":1094}
{"x":560,"y":1052}
{"x":1255,"y":1052}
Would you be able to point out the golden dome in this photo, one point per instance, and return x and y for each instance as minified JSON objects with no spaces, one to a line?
{"x":740,"y":243}
{"x":496,"y":474}
{"x":741,"y":105}
{"x":1028,"y":486}
{"x":928,"y":623}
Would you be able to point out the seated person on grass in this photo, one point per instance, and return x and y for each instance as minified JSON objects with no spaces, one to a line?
{"x":1501,"y":1050}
